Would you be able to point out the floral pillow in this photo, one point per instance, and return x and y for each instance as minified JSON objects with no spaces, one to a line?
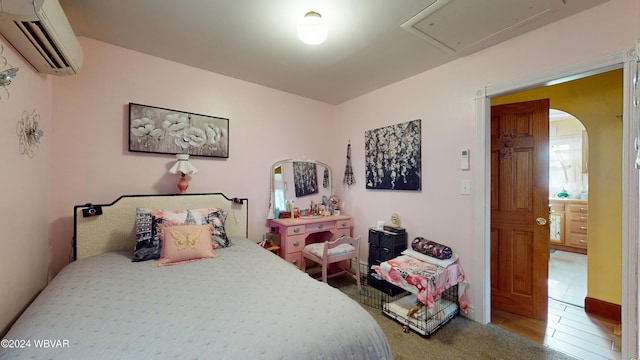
{"x":431,"y":248}
{"x":185,"y":243}
{"x":148,"y":242}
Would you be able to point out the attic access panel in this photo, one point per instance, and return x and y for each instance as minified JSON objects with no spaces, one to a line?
{"x":454,"y":26}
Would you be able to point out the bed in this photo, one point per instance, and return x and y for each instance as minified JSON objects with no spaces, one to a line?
{"x":436,"y":290}
{"x":244,"y":303}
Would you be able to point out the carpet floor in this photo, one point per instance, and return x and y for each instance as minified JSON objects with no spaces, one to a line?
{"x":459,"y":339}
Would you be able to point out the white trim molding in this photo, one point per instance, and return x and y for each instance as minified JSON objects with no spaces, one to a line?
{"x":630,"y":187}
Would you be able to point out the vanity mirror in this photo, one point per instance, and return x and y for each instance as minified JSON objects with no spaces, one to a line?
{"x":300,"y":180}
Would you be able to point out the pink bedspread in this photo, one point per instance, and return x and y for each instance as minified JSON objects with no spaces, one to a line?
{"x":425,"y":280}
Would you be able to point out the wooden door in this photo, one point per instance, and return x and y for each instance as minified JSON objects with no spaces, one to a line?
{"x":519,"y":197}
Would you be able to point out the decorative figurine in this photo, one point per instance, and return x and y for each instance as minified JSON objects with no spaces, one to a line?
{"x":395,"y":220}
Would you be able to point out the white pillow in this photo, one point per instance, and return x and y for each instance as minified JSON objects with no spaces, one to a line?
{"x":431,"y":260}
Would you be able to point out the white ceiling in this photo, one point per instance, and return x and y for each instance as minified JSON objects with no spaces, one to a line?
{"x":367,"y":47}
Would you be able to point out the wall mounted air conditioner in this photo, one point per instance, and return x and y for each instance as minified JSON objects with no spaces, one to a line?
{"x":40,"y":31}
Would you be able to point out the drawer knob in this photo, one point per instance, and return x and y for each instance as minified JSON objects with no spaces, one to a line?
{"x":583,"y":218}
{"x":320,"y":226}
{"x":583,"y":241}
{"x":583,"y":209}
{"x":295,"y":262}
{"x":296,"y":243}
{"x":344,"y":224}
{"x":583,"y":228}
{"x":296,"y":230}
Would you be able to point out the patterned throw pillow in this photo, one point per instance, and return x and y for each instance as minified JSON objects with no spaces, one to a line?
{"x":431,"y":248}
{"x":185,"y":243}
{"x":148,"y":243}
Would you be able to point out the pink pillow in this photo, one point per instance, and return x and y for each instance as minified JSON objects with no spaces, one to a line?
{"x":183,"y":243}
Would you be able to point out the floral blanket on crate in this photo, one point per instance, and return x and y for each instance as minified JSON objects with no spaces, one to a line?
{"x":423,"y":279}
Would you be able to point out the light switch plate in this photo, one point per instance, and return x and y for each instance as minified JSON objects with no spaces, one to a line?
{"x":465,"y":187}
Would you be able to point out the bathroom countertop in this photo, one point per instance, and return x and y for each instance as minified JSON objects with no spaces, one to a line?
{"x":568,"y":199}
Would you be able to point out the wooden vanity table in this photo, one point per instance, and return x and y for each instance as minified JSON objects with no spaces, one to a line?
{"x":296,"y":233}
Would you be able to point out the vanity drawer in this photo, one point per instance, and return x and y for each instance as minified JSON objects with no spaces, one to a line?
{"x":295,"y":230}
{"x":578,"y":217}
{"x":555,"y":207}
{"x":295,"y":243}
{"x":322,"y":226}
{"x":579,"y":208}
{"x":577,"y":240}
{"x":343,"y":224}
{"x":578,"y":227}
{"x":342,"y":232}
{"x":295,"y":259}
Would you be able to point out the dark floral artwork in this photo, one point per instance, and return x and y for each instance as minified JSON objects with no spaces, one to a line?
{"x":393,"y":157}
{"x":165,"y":131}
{"x":305,"y":177}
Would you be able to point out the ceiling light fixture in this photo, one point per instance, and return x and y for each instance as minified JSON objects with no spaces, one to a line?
{"x":312,"y":29}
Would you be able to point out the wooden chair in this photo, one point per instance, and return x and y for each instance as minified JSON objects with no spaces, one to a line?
{"x":331,"y":252}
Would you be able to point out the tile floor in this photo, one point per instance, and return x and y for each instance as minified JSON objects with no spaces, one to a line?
{"x":568,"y":277}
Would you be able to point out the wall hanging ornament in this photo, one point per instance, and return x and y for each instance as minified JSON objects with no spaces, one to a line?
{"x":348,"y":170}
{"x":505,"y":145}
{"x":29,"y":133}
{"x":7,"y":73}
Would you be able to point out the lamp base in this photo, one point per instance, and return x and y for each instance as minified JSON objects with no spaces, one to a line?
{"x":183,"y":184}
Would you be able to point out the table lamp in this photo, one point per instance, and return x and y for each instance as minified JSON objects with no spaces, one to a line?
{"x":183,"y":167}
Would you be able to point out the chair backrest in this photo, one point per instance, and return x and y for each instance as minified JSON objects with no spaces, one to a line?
{"x":355,"y":242}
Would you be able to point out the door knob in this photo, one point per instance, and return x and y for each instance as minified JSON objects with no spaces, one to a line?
{"x":541,"y":221}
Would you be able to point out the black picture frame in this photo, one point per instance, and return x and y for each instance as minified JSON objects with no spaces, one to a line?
{"x":159,"y":130}
{"x":393,"y":157}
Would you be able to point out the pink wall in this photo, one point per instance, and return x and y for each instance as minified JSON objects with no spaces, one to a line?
{"x":84,"y":156}
{"x":24,"y":208}
{"x":444,"y":98}
{"x":91,"y":161}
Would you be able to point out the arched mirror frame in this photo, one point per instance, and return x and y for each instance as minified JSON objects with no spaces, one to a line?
{"x":328,"y":191}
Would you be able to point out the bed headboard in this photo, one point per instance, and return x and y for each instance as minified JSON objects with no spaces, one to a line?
{"x":114,"y":229}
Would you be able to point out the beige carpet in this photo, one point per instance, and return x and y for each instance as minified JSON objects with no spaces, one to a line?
{"x":461,"y":338}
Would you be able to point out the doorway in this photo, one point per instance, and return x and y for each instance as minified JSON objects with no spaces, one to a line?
{"x":629,"y":200}
{"x":568,"y":208}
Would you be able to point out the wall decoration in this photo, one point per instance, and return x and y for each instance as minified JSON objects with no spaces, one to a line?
{"x":393,"y":157}
{"x":7,"y":73}
{"x":29,"y":133}
{"x":305,"y":178}
{"x":505,"y":145}
{"x":348,"y":169}
{"x":165,"y":131}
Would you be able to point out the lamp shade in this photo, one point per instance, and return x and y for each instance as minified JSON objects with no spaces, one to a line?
{"x":312,"y":29}
{"x":183,"y":165}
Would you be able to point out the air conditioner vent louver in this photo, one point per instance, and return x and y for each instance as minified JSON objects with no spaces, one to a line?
{"x":34,"y":31}
{"x":40,"y":31}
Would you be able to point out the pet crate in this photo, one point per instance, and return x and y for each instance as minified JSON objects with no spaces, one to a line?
{"x":373,"y":296}
{"x":409,"y":312}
